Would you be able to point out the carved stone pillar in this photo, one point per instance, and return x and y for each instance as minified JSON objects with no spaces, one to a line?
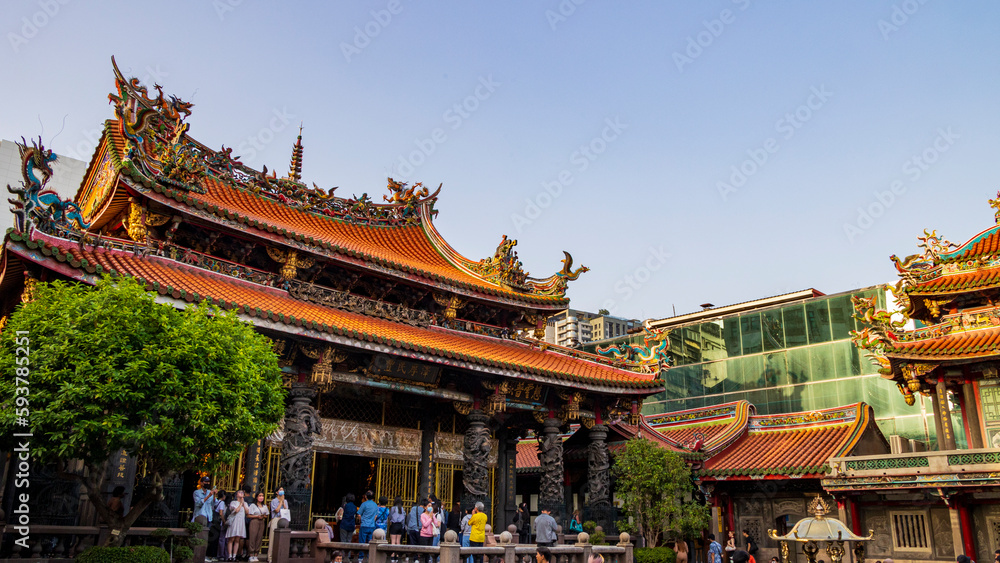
{"x":599,"y":478}
{"x":301,"y":422}
{"x":476,"y":455}
{"x":550,"y":455}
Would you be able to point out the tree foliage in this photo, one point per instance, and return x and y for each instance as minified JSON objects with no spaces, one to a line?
{"x":110,"y":369}
{"x":656,"y":489}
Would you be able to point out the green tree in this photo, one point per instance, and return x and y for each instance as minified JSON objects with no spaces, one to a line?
{"x":603,"y":312}
{"x":109,"y":369}
{"x":656,"y":489}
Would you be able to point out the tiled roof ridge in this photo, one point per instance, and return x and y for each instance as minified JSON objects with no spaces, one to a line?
{"x":548,"y":347}
{"x":332,"y":250}
{"x":804,"y":419}
{"x":195,"y":204}
{"x":60,"y":252}
{"x":960,"y":252}
{"x":714,"y":412}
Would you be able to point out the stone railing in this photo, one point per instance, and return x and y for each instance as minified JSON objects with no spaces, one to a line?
{"x":63,"y":543}
{"x":309,"y":547}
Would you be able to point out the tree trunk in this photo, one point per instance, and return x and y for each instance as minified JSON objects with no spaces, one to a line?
{"x":118,"y":525}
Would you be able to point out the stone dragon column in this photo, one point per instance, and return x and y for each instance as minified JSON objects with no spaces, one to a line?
{"x":550,"y":456}
{"x":301,"y":422}
{"x":476,"y":455}
{"x":599,"y":478}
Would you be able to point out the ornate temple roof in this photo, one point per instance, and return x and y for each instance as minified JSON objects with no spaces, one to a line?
{"x":953,"y":291}
{"x":148,"y":173}
{"x":792,"y":445}
{"x":147,"y":150}
{"x":275,"y":308}
{"x":730,"y":442}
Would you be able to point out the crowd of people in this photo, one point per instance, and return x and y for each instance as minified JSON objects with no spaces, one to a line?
{"x":239,"y":519}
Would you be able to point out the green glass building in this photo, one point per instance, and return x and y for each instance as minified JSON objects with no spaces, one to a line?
{"x":784,"y":354}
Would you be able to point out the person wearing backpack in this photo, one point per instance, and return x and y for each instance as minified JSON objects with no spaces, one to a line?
{"x":382,"y":517}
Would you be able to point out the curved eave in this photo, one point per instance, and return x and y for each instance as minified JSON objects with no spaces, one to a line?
{"x":986,"y":242}
{"x":189,"y":204}
{"x":60,"y":260}
{"x":117,"y":199}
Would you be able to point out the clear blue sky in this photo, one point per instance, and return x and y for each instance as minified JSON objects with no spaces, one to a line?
{"x":832,"y":99}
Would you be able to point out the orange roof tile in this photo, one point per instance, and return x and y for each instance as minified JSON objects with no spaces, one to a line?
{"x":973,"y":343}
{"x":958,"y":282}
{"x":180,"y":281}
{"x":407,"y":249}
{"x":797,"y":444}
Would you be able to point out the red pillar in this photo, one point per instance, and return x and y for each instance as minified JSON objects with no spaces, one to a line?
{"x":965,"y":521}
{"x":855,"y":517}
{"x":730,"y":519}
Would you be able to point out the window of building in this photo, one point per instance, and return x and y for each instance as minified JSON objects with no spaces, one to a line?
{"x":909,"y":531}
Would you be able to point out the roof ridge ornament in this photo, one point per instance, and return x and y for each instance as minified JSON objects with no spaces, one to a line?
{"x":295,"y":166}
{"x":35,"y":205}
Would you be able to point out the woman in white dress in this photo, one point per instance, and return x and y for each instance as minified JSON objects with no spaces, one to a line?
{"x":237,"y":526}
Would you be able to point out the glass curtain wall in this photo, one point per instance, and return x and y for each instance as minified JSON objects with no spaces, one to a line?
{"x":785,"y":359}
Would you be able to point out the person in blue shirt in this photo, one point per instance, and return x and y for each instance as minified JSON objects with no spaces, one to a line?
{"x":369,"y":514}
{"x":204,"y":500}
{"x":347,"y":523}
{"x":413,"y":523}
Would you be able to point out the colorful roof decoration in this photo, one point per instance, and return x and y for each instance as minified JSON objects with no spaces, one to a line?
{"x":704,"y":430}
{"x":408,"y":335}
{"x":147,"y":150}
{"x":730,"y":442}
{"x":651,"y":357}
{"x":952,"y":290}
{"x":796,"y":445}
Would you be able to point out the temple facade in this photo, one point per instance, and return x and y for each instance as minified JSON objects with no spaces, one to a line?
{"x":943,"y":345}
{"x":411,"y":369}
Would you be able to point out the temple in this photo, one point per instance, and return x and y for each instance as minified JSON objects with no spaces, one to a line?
{"x":411,"y":369}
{"x":943,"y":344}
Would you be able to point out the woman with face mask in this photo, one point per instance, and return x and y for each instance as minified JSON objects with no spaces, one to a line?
{"x":278,"y":503}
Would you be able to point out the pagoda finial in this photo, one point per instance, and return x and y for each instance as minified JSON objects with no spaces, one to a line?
{"x":295,"y":167}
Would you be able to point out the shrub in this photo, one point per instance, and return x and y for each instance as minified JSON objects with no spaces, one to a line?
{"x":183,"y":553}
{"x":589,"y":526}
{"x":655,"y":555}
{"x":161,"y":535}
{"x":133,"y":554}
